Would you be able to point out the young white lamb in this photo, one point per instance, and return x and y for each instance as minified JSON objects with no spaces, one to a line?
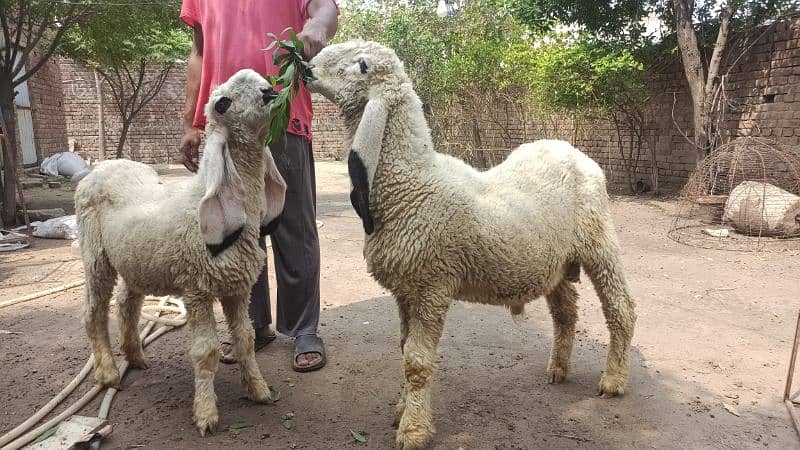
{"x":438,"y":230}
{"x":198,"y":239}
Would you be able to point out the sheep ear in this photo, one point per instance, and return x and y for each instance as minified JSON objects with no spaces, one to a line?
{"x":275,"y":189}
{"x":364,"y":155}
{"x":221,"y":212}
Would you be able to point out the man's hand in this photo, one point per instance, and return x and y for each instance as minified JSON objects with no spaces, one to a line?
{"x":320,"y":27}
{"x":313,"y":42}
{"x":190,"y":148}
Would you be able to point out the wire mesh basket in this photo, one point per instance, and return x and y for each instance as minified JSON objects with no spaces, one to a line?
{"x":744,"y":196}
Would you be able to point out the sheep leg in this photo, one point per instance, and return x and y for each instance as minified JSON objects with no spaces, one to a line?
{"x":204,"y":353}
{"x":562,"y":302}
{"x":129,"y":310}
{"x":100,"y":278}
{"x":426,"y":320}
{"x":403,"y":308}
{"x":235,"y":309}
{"x":605,"y":270}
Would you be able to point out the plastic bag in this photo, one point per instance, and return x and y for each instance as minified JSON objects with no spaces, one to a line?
{"x":58,"y":228}
{"x":64,"y":163}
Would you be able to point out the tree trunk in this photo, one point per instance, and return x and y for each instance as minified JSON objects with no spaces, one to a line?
{"x":126,"y":125}
{"x":701,"y":86}
{"x":695,"y":74}
{"x":9,"y":213}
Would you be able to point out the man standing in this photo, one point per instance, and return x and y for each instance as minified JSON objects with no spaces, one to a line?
{"x":230,"y":35}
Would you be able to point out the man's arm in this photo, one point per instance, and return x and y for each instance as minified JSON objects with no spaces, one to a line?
{"x":322,"y":23}
{"x":190,"y":143}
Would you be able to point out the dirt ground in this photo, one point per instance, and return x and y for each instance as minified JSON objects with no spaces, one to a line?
{"x":714,"y":329}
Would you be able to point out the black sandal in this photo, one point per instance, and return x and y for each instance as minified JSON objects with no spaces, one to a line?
{"x":260,"y":342}
{"x":309,"y":343}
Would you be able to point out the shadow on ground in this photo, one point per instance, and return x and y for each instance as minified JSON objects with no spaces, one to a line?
{"x":490,"y":391}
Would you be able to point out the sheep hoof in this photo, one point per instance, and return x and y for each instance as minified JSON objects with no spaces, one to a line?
{"x":137,"y":361}
{"x":556,"y":374}
{"x":259,"y":391}
{"x":107,"y":376}
{"x":206,"y":424}
{"x":413,"y":437}
{"x":611,"y":386}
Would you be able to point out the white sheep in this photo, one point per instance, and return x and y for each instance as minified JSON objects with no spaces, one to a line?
{"x":198,"y":239}
{"x":438,"y":230}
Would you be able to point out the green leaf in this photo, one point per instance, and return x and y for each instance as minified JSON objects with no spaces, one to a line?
{"x":288,"y":424}
{"x":296,"y":41}
{"x":280,"y":58}
{"x":289,"y":72}
{"x":358,"y":437}
{"x":271,"y":79}
{"x":239,"y":424}
{"x":48,"y":433}
{"x":276,"y":395}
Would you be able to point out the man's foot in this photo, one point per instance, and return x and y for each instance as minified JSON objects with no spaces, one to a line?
{"x":263,"y":337}
{"x":309,"y":353}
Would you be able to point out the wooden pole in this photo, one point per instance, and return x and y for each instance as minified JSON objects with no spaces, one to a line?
{"x":101,"y":118}
{"x":788,"y":400}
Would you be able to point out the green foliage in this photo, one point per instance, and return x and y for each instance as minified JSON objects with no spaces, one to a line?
{"x":615,"y":20}
{"x":124,"y":33}
{"x":288,"y":56}
{"x":484,"y":50}
{"x":586,"y":76}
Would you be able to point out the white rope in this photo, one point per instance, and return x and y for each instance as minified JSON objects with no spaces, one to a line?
{"x":13,"y":439}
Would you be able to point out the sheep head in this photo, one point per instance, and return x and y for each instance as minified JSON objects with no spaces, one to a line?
{"x":241,"y":103}
{"x":364,"y":79}
{"x":351,"y":73}
{"x":238,"y":108}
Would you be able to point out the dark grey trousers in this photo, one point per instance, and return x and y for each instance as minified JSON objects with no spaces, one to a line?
{"x":295,"y":244}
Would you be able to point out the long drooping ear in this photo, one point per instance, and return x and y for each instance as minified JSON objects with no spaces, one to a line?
{"x":364,"y":155}
{"x":221,"y":211}
{"x":275,"y":190}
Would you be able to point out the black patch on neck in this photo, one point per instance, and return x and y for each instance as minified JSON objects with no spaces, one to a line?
{"x":216,"y":249}
{"x":270,"y":227}
{"x":359,"y":196}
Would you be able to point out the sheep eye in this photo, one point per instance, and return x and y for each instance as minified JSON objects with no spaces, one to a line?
{"x":362,"y":65}
{"x":222,"y":105}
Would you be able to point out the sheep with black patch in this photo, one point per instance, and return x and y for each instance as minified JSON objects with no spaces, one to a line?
{"x":438,"y":230}
{"x":197,"y":239}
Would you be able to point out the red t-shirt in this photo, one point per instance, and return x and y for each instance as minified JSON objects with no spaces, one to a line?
{"x":234,"y":36}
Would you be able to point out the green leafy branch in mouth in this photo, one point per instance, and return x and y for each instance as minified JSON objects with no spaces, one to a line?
{"x":287,"y":55}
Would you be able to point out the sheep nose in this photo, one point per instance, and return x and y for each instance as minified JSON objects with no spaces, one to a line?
{"x":308,"y":74}
{"x":268,"y":94}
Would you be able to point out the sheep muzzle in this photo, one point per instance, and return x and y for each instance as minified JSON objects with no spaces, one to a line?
{"x":268,"y":95}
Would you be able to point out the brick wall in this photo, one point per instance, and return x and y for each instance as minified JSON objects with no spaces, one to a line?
{"x":328,"y":130}
{"x":762,"y":91}
{"x":154,"y":136}
{"x":47,"y":103}
{"x":763,"y":99}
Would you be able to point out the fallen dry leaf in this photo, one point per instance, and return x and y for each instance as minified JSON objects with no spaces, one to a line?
{"x":730,"y":409}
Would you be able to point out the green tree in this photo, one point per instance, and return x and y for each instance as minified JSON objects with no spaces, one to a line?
{"x":28,"y":27}
{"x":701,"y":28}
{"x":134,"y":48}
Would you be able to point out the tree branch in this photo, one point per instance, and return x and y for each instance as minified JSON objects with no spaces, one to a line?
{"x":689,"y":49}
{"x":155,"y":87}
{"x":72,"y":16}
{"x":7,"y":61}
{"x":719,"y":46}
{"x":31,"y":40}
